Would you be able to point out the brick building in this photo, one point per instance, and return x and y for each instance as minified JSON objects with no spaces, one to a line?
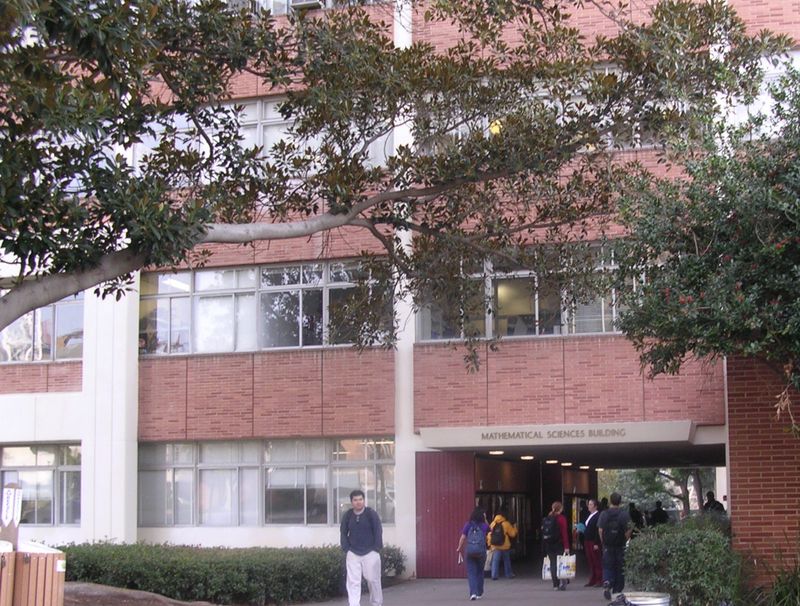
{"x":210,"y":407}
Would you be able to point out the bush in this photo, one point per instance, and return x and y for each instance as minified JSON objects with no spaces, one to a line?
{"x":785,"y":575}
{"x":693,"y":562}
{"x":257,"y":576}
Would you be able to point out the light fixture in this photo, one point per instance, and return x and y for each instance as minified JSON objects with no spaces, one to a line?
{"x":551,"y":461}
{"x":527,"y":457}
{"x":585,"y":467}
{"x":496,"y":452}
{"x":599,"y":468}
{"x":566,"y":464}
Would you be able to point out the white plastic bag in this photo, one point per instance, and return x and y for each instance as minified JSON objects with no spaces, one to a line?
{"x":566,"y":566}
{"x":546,"y":569}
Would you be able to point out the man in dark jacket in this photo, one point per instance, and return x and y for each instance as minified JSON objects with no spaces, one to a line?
{"x":615,"y":530}
{"x":362,"y":541}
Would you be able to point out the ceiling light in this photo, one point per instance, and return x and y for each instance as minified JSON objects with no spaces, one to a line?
{"x":585,"y":467}
{"x":551,"y":461}
{"x":599,"y":468}
{"x":566,"y":464}
{"x":527,"y":457}
{"x":496,"y":452}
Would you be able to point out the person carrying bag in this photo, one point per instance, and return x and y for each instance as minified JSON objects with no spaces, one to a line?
{"x":473,"y":542}
{"x":555,"y":543}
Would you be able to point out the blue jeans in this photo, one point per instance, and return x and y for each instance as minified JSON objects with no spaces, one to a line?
{"x":613,"y":564}
{"x":505,"y":555}
{"x":475,"y":574}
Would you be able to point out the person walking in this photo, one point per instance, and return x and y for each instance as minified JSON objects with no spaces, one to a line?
{"x":615,"y":530}
{"x":362,"y":540}
{"x":500,"y":534}
{"x":555,"y":541}
{"x":473,"y":537}
{"x":592,"y":546}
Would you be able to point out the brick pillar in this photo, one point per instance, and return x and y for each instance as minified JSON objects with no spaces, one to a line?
{"x":764,"y":466}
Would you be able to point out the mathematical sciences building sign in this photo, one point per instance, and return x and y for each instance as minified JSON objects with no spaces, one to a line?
{"x":481,"y":437}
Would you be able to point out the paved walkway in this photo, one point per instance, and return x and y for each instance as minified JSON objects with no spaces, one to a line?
{"x":527,"y":589}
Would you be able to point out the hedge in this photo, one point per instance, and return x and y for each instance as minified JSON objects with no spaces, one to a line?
{"x":259,"y":576}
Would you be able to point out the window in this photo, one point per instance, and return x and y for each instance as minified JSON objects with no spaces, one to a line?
{"x":50,"y":479}
{"x":54,"y":332}
{"x":226,"y":310}
{"x":262,"y":482}
{"x":523,"y":305}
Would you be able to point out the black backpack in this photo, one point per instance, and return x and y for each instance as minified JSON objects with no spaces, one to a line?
{"x":498,"y":535}
{"x":614,"y":531}
{"x":550,"y":532}
{"x":476,"y":542}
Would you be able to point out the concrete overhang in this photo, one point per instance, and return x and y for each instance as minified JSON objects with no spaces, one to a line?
{"x":610,"y":445}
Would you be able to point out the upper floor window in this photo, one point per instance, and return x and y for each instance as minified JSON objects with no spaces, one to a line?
{"x":227,"y":310}
{"x":53,"y":332}
{"x":50,"y":479}
{"x":519,"y":303}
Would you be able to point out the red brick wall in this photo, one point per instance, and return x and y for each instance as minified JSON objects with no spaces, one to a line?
{"x":311,"y":393}
{"x":764,"y":465}
{"x":41,"y":378}
{"x":558,"y":380}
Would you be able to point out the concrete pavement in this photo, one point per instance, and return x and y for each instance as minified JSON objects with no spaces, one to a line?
{"x":527,"y":589}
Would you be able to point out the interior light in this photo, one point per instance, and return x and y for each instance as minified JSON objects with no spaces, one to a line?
{"x":599,"y":468}
{"x":527,"y":457}
{"x":585,"y":467}
{"x":551,"y":461}
{"x":496,"y":452}
{"x":566,"y":464}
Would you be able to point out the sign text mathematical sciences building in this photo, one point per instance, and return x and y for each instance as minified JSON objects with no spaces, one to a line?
{"x":582,"y":434}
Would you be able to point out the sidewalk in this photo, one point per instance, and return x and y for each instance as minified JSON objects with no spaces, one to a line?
{"x":526,"y":589}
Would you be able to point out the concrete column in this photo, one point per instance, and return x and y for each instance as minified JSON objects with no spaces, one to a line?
{"x":109,"y":440}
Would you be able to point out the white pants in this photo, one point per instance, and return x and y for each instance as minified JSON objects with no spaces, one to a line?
{"x":370,"y":567}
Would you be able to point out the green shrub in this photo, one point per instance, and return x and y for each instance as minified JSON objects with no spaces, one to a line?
{"x":693,"y":562}
{"x":257,"y":576}
{"x":785,"y":574}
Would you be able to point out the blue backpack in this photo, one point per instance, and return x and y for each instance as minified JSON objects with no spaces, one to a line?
{"x":476,"y":542}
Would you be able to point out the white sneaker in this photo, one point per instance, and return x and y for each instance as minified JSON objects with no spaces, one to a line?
{"x":473,"y":597}
{"x":479,"y":597}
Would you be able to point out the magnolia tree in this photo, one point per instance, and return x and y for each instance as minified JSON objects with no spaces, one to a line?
{"x":720,"y":248}
{"x":515,"y":126}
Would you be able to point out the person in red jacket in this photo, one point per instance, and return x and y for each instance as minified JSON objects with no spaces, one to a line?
{"x":555,"y":541}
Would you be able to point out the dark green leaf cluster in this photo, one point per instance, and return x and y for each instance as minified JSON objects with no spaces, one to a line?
{"x":693,"y":562}
{"x":256,"y":576}
{"x":719,"y":249}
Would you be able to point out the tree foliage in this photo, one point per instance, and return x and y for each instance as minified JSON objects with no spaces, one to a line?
{"x":720,"y":248}
{"x":513,"y":142}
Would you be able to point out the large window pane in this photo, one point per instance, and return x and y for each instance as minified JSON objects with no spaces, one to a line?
{"x":16,"y":340}
{"x":184,"y":495}
{"x":219,"y":452}
{"x":248,"y":497}
{"x":180,"y":315}
{"x":384,"y":492}
{"x":37,"y":497}
{"x":316,"y":495}
{"x":69,"y":455}
{"x":70,"y":512}
{"x":246,"y":332}
{"x":153,"y":326}
{"x":284,"y":495}
{"x":549,"y":311}
{"x":213,"y":324}
{"x":69,"y":330}
{"x":155,"y":498}
{"x":312,"y":317}
{"x":345,"y":480}
{"x":43,"y":333}
{"x":217,"y":503}
{"x":280,"y":319}
{"x":516,"y":314}
{"x":592,"y":316}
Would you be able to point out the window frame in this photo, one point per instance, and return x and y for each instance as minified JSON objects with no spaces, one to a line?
{"x":57,"y":472}
{"x":329,"y":461}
